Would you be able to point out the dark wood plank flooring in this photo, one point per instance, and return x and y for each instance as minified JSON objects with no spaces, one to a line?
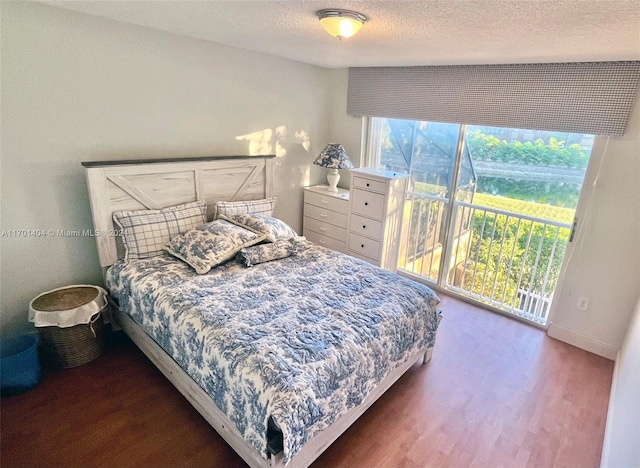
{"x":496,"y":393}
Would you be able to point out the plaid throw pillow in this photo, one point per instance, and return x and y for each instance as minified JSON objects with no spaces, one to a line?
{"x":144,"y":233}
{"x":264,"y":206}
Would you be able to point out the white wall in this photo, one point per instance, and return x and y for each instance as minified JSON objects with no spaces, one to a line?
{"x":604,"y":263}
{"x":622,"y":436}
{"x":344,"y":129}
{"x":80,"y":88}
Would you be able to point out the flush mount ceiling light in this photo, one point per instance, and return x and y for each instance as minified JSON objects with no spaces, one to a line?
{"x":341,"y":23}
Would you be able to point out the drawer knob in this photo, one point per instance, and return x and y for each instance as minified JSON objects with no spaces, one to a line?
{"x":322,"y":215}
{"x":324,"y":202}
{"x":364,"y":226}
{"x":362,"y":245}
{"x":366,"y":203}
{"x":323,"y":228}
{"x":367,"y":184}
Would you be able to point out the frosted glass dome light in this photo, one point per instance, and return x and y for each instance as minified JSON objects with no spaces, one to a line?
{"x":341,"y":23}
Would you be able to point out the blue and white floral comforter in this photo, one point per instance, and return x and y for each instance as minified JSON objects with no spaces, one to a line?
{"x":300,"y":340}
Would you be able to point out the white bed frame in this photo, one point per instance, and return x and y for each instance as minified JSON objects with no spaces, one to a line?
{"x":155,"y":184}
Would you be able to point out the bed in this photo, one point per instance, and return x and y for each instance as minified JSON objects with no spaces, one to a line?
{"x":280,"y":357}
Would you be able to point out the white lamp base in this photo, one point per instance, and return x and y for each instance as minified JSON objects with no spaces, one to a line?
{"x":333,"y":177}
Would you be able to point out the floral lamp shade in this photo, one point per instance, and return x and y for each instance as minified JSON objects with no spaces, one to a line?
{"x":333,"y":157}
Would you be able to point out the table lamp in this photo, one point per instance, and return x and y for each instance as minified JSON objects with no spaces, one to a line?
{"x":333,"y":157}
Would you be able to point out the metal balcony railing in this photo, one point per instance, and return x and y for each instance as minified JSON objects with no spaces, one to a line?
{"x":507,"y":260}
{"x":422,"y":238}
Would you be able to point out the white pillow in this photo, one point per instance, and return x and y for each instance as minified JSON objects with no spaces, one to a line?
{"x":144,"y":233}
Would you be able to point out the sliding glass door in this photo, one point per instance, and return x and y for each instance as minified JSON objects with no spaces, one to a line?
{"x":489,"y":210}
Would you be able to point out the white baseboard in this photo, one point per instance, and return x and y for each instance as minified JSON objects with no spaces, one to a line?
{"x":583,"y":342}
{"x":606,"y":446}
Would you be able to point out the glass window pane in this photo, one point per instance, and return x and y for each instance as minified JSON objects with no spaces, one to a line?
{"x":501,"y":240}
{"x":516,"y":221}
{"x":424,"y":149}
{"x":534,"y":166}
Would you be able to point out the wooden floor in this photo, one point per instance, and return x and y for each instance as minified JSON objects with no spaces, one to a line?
{"x":496,"y":393}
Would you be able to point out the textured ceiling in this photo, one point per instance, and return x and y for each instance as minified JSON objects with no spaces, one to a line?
{"x":399,"y":32}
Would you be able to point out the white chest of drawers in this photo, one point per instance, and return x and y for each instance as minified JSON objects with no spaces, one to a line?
{"x":375,"y":221}
{"x":326,"y":217}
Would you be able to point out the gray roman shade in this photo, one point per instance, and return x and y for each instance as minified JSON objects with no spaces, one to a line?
{"x":592,"y":97}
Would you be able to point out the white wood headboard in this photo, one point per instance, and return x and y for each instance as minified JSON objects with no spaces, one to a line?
{"x":159,"y":183}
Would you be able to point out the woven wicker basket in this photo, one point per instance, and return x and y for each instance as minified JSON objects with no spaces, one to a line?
{"x":70,"y":346}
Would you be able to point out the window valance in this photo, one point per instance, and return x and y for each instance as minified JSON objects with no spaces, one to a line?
{"x":589,"y":97}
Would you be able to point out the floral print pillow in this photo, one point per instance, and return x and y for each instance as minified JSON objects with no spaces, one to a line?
{"x":273,"y":228}
{"x":211,"y":244}
{"x":272,"y":251}
{"x":265,"y":252}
